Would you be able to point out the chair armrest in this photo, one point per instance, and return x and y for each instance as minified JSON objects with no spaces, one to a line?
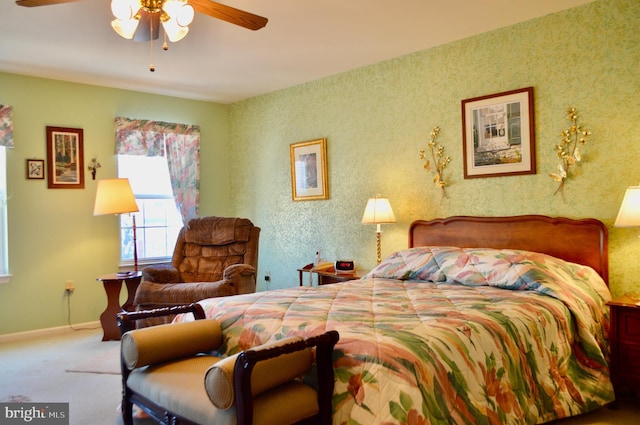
{"x":238,"y":270}
{"x":161,"y":274}
{"x":242,"y":277}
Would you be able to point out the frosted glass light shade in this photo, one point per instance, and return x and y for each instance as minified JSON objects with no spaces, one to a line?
{"x":174,"y":31}
{"x":180,"y":11}
{"x":378,"y":211}
{"x":629,"y":213}
{"x":125,"y":9}
{"x":125,"y":29}
{"x":114,"y":196}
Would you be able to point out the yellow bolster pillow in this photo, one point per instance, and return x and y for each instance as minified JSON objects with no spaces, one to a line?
{"x":266,"y":374}
{"x":156,"y":344}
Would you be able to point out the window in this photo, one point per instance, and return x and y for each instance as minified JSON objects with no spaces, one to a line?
{"x":4,"y":251}
{"x":158,"y":221}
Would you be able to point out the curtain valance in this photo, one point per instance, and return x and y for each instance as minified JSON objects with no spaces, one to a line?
{"x":146,"y":137}
{"x":6,"y":126}
{"x":179,"y":143}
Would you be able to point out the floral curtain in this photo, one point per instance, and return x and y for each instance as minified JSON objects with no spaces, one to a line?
{"x":6,"y":126}
{"x":181,"y":145}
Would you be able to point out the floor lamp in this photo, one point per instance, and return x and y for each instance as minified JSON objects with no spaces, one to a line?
{"x":378,"y":211}
{"x":114,"y":196}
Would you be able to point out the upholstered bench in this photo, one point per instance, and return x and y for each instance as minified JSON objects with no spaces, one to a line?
{"x":169,"y":372}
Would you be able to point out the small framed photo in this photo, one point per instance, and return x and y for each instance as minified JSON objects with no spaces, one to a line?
{"x":498,"y":134}
{"x":35,"y":169}
{"x":309,"y":170}
{"x":65,"y":156}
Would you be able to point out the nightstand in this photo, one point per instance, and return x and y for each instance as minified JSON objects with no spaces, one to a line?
{"x":625,"y":344}
{"x":112,"y":286}
{"x":327,"y":276}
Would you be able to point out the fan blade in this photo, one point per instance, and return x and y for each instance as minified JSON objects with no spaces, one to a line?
{"x":34,"y":3}
{"x":229,"y":14}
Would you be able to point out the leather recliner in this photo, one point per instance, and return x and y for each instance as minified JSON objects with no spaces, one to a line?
{"x":213,"y":257}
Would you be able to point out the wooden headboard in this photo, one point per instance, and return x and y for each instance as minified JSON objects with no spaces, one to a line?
{"x":583,"y":241}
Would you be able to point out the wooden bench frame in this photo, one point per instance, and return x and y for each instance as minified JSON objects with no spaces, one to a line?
{"x":244,"y":365}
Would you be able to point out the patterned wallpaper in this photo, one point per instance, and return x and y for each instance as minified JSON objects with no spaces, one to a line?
{"x":377,"y":118}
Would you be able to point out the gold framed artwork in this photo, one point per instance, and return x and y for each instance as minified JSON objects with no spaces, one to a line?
{"x":65,"y":156}
{"x":35,"y":169}
{"x":309,"y":170}
{"x":498,"y":134}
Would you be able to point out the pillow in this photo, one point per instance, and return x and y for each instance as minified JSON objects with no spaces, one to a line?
{"x":156,"y":344}
{"x":417,"y":263}
{"x":267,"y":374}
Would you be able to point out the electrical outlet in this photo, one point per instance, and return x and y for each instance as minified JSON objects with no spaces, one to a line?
{"x":69,"y":286}
{"x":267,"y":277}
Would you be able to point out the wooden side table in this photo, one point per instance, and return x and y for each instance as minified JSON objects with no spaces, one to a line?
{"x":112,"y":286}
{"x":625,"y":343}
{"x":327,"y":276}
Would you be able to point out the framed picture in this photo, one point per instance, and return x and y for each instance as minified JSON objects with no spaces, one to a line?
{"x":498,"y":134}
{"x":309,"y":170}
{"x":35,"y":169}
{"x":65,"y":155}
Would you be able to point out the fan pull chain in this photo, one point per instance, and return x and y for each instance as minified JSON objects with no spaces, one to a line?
{"x":152,"y":67}
{"x":165,"y":46}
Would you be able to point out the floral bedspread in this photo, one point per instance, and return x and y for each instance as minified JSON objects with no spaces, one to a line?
{"x":439,"y":335}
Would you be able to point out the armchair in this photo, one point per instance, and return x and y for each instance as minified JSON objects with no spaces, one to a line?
{"x":213,"y":257}
{"x":169,"y":371}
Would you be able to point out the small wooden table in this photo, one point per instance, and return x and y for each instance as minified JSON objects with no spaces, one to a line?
{"x":112,"y":286}
{"x":624,"y":338}
{"x":327,"y":276}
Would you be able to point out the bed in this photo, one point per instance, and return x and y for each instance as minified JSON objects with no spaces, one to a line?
{"x":480,"y":320}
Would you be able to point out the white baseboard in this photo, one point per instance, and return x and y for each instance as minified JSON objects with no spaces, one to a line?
{"x":38,"y":333}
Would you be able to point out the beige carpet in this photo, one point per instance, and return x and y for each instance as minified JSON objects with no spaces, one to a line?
{"x":107,"y":362}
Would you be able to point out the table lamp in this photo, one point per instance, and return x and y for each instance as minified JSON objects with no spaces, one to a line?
{"x":629,"y":214}
{"x":378,"y":211}
{"x":114,"y":196}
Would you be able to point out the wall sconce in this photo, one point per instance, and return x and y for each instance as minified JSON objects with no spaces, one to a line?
{"x":93,"y":167}
{"x":378,"y":211}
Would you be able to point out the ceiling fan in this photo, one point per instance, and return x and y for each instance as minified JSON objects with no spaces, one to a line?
{"x":152,"y":12}
{"x":140,"y":20}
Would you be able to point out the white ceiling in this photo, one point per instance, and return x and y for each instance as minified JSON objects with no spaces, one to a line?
{"x":304,"y":40}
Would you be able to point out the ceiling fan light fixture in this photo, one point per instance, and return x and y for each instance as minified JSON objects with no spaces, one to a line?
{"x":186,"y":15}
{"x":174,"y":31}
{"x":180,"y":11}
{"x":125,"y":9}
{"x":125,"y":29}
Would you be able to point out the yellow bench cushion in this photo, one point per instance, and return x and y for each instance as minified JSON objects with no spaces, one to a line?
{"x":178,"y":386}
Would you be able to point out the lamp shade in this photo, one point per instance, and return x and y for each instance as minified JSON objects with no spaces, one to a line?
{"x":629,"y":214}
{"x":378,"y":211}
{"x":114,"y":196}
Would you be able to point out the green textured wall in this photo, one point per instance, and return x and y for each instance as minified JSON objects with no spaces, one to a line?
{"x":377,"y":118}
{"x":53,"y":235}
